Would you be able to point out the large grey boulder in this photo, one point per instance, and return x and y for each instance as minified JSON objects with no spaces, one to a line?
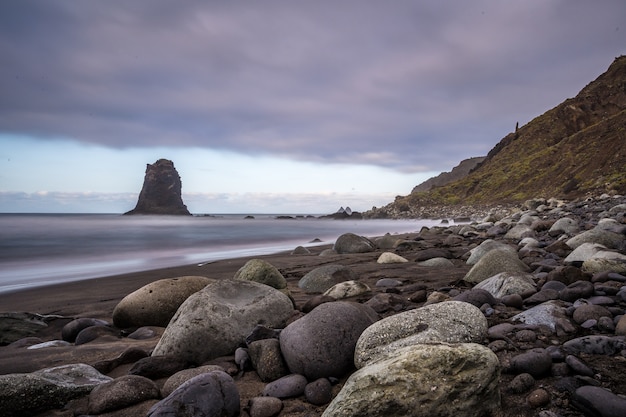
{"x":507,"y":283}
{"x":26,"y":394}
{"x":605,"y":261}
{"x":210,"y":394}
{"x":583,"y":252}
{"x":449,"y":322}
{"x":351,"y":243}
{"x":214,"y":321}
{"x":564,"y":225}
{"x":156,"y":303}
{"x":547,"y":314}
{"x":322,"y":278}
{"x":494,"y":262}
{"x":597,"y":235}
{"x":15,"y":326}
{"x":487,"y":246}
{"x":321,"y":344}
{"x":519,"y":231}
{"x":263,"y":272}
{"x":423,"y":380}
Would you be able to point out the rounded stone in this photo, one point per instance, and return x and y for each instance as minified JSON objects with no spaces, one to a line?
{"x":494,"y":262}
{"x":121,"y":392}
{"x":507,"y":283}
{"x":460,"y":379}
{"x":390,"y":258}
{"x":351,"y":243}
{"x":263,"y":272}
{"x":448,"y":322}
{"x":209,"y":394}
{"x":590,"y":312}
{"x":214,"y":321}
{"x":286,"y":387}
{"x":538,"y":398}
{"x":264,"y":406}
{"x":70,"y":331}
{"x":597,"y":401}
{"x":536,"y":362}
{"x":156,"y":303}
{"x":322,"y":278}
{"x":522,"y":383}
{"x":347,"y":289}
{"x":321,"y":344}
{"x":319,"y":392}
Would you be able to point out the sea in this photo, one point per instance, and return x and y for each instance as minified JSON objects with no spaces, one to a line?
{"x":44,"y":249}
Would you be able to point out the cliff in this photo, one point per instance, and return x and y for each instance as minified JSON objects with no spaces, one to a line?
{"x":161,"y":191}
{"x":574,"y":150}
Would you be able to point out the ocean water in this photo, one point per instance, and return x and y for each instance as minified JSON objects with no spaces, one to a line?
{"x":43,"y":249}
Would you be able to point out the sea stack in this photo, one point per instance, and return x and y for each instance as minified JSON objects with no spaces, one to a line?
{"x":161,"y":191}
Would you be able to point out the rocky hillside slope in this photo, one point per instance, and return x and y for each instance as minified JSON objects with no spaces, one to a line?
{"x":457,"y":173}
{"x":576,"y":149}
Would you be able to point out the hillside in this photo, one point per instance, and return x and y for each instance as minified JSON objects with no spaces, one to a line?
{"x":578,"y":148}
{"x":457,"y":173}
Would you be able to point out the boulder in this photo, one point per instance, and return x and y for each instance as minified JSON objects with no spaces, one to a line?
{"x":263,"y":272}
{"x":209,"y":394}
{"x":519,"y":232}
{"x":597,"y":235}
{"x":156,"y":303}
{"x":598,"y":401}
{"x":26,"y":394}
{"x":437,"y":263}
{"x":180,"y":377}
{"x":321,"y":344}
{"x":16,"y":326}
{"x":214,"y":321}
{"x":449,"y":322}
{"x":583,"y":252}
{"x":121,"y":392}
{"x":423,"y":380}
{"x":71,"y":330}
{"x":347,"y":289}
{"x":487,"y":246}
{"x":564,"y":225}
{"x":322,"y":278}
{"x":390,"y":258}
{"x":507,"y":283}
{"x":267,"y":359}
{"x":494,"y":262}
{"x":351,"y":243}
{"x":546,"y":314}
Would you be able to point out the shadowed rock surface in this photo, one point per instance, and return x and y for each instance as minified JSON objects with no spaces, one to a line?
{"x":161,"y":191}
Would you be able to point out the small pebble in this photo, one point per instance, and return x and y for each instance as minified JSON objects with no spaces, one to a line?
{"x":538,"y":398}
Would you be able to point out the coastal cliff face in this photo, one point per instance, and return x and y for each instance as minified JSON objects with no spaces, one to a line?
{"x":161,"y":191}
{"x":575,"y":150}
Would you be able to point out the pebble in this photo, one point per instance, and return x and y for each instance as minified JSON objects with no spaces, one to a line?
{"x":578,"y":366}
{"x":522,"y":383}
{"x":318,"y":392}
{"x":538,"y":398}
{"x":288,"y":386}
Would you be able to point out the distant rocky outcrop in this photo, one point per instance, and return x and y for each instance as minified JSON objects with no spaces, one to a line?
{"x":458,"y":172}
{"x":343,"y":213}
{"x":161,"y":191}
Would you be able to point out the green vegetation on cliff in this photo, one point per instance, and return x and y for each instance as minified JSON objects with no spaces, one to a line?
{"x":577,"y":148}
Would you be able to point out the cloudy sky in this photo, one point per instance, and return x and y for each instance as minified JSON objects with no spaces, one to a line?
{"x":276,"y":106}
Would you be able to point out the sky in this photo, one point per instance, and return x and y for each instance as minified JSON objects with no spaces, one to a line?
{"x":276,"y":106}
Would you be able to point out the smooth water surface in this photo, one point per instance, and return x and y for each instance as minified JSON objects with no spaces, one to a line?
{"x":41,"y":249}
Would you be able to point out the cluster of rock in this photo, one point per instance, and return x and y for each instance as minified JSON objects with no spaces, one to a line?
{"x":530,"y":328}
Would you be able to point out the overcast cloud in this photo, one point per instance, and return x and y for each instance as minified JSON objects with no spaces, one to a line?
{"x":410,"y":86}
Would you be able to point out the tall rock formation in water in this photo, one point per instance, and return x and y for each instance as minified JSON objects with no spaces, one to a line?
{"x":161,"y":191}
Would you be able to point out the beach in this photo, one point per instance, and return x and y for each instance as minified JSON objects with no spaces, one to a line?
{"x":408,"y":286}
